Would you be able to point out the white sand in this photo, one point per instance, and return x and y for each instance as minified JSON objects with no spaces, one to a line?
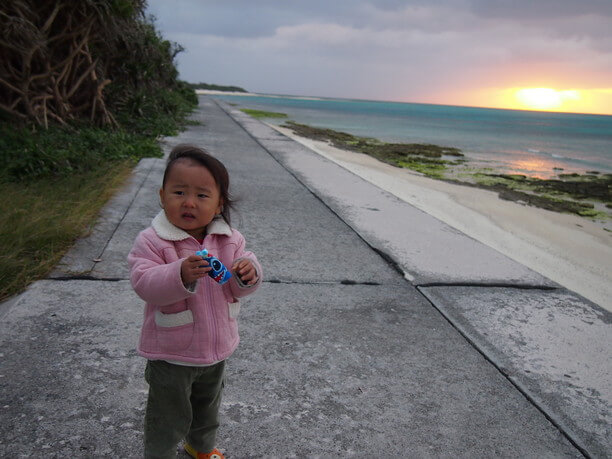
{"x":214,"y":92}
{"x":568,"y":249}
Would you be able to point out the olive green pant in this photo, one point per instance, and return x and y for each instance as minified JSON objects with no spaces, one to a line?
{"x":183,"y":403}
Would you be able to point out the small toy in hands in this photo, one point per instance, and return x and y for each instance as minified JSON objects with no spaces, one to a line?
{"x":218,"y":272}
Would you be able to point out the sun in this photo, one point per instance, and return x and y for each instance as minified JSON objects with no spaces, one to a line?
{"x":544,"y":98}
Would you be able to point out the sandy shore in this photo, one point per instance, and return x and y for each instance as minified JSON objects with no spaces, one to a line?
{"x":570,"y":250}
{"x":212,"y":92}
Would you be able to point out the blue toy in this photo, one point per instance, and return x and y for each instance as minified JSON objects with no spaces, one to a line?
{"x":218,"y":272}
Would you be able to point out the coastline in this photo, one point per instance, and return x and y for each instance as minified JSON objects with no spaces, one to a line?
{"x":568,"y":249}
{"x":214,"y":92}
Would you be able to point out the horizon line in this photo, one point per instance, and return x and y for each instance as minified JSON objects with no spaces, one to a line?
{"x":421,"y":103}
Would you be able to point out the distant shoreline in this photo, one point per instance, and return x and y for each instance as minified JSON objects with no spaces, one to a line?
{"x":216,"y":92}
{"x":211,"y":92}
{"x":292,"y":96}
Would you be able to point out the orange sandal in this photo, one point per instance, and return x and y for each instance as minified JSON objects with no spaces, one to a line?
{"x":214,"y":454}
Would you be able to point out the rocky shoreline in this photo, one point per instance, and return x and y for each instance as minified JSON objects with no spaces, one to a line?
{"x":588,"y":195}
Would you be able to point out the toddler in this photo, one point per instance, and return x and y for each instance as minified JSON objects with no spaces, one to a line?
{"x":189,"y":327}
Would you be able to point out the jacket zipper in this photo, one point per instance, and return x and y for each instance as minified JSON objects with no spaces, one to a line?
{"x":213,"y":321}
{"x":211,"y":305}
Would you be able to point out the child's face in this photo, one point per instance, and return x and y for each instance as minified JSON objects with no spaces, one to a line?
{"x":190,"y":197}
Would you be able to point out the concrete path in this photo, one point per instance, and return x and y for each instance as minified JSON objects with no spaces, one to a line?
{"x":379,"y":331}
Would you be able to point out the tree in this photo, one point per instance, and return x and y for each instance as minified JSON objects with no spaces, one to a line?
{"x":64,"y":60}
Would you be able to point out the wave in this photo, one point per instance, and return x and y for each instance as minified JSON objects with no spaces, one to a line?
{"x":550,"y":155}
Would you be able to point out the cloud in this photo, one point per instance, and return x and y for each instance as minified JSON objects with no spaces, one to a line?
{"x":541,"y":9}
{"x":379,"y":49}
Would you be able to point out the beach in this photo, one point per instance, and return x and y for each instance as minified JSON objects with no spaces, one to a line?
{"x":214,"y":92}
{"x":572,"y":251}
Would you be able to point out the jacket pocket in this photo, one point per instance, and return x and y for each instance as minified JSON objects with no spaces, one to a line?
{"x":234,"y":309}
{"x":174,"y":331}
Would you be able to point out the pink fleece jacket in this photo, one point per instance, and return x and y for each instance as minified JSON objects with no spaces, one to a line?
{"x":194,"y":324}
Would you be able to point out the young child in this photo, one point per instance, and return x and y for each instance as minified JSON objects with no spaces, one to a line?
{"x":189,"y":324}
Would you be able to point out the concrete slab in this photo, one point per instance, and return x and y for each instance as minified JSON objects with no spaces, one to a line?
{"x":428,"y":250}
{"x":554,"y":345}
{"x":344,"y":370}
{"x":80,"y":259}
{"x":71,"y":384}
{"x":113,"y":264}
{"x":285,"y":223}
{"x":369,"y":371}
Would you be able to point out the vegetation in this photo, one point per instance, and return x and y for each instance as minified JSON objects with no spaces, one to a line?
{"x":428,"y":159}
{"x":571,"y":193}
{"x":588,"y":195}
{"x":263,"y":114}
{"x":64,"y":61}
{"x":41,"y":219}
{"x":216,"y":87}
{"x":62,"y":152}
{"x":86,"y":88}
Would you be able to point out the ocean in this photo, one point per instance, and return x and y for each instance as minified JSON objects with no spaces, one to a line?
{"x":537,"y":144}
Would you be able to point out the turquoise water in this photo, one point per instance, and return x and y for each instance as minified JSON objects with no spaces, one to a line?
{"x":539,"y":144}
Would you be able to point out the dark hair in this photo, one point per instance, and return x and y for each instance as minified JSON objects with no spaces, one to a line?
{"x":214,"y":166}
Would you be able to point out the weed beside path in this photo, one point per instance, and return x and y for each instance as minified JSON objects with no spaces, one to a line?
{"x":54,"y":182}
{"x":41,"y":219}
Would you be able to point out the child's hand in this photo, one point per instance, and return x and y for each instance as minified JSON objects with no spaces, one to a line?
{"x":194,"y":268}
{"x":245,"y":270}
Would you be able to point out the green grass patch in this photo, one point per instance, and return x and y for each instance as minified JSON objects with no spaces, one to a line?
{"x":42,"y":218}
{"x":433,"y":170}
{"x":54,"y":181}
{"x":263,"y":114}
{"x":64,"y":151}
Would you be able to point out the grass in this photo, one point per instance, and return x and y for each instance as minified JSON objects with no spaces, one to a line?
{"x":53,"y":182}
{"x":65,"y":151}
{"x":42,"y":218}
{"x":263,"y":114}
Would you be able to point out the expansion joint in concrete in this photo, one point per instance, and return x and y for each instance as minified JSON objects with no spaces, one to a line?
{"x":337,"y":282}
{"x":125,"y":212}
{"x":486,"y":285}
{"x":533,"y":399}
{"x":87,"y":277}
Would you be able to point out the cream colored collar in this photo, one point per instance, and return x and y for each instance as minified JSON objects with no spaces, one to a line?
{"x":169,"y":232}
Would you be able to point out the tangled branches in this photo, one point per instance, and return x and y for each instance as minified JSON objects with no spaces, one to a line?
{"x":56,"y":58}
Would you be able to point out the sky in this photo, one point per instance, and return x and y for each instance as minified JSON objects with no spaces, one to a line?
{"x":553,"y":55}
